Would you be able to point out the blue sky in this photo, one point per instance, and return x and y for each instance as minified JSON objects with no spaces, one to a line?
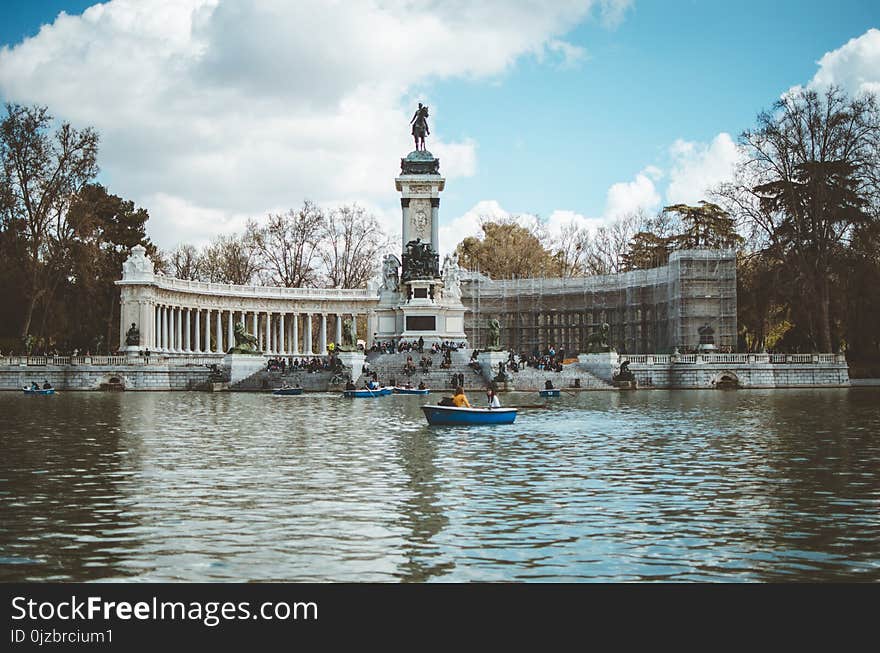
{"x":646,"y":89}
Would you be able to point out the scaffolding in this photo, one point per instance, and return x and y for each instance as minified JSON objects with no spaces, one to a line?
{"x":648,"y":311}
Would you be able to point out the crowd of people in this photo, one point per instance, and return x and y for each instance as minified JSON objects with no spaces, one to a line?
{"x":304,"y":364}
{"x":409,"y":346}
{"x":548,"y":359}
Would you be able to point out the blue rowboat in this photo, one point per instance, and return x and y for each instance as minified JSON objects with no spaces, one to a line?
{"x":286,"y":392}
{"x":379,"y":392}
{"x":38,"y":391}
{"x":454,"y":416}
{"x":410,"y":391}
{"x":549,"y":393}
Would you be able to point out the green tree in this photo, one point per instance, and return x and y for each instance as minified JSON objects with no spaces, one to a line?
{"x":808,"y":183}
{"x":508,"y":250}
{"x":41,"y":174}
{"x":647,"y":250}
{"x":704,"y":226}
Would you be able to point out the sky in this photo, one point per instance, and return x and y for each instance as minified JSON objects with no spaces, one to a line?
{"x":212,"y":112}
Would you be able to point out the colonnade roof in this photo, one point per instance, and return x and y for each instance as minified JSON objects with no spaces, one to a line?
{"x":358,"y":295}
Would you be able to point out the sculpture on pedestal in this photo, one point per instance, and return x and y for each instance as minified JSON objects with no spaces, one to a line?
{"x":390,"y":279}
{"x":245,"y":343}
{"x":598,"y":342}
{"x":420,"y":261}
{"x":349,"y":336}
{"x":420,"y":129}
{"x":133,"y":336}
{"x":494,"y":339}
{"x":451,"y":277}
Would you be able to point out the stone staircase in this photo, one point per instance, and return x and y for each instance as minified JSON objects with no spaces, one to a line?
{"x":265,"y":380}
{"x":390,"y":366}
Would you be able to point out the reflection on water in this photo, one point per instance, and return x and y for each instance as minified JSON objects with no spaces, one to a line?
{"x":658,"y":485}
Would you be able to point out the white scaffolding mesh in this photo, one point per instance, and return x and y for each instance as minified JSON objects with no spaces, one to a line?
{"x":648,"y":311}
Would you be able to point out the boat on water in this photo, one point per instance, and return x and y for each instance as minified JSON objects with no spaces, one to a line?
{"x":38,"y":391}
{"x":365,"y":392}
{"x":455,"y":416}
{"x":287,"y":392}
{"x":411,"y":391}
{"x":549,"y":393}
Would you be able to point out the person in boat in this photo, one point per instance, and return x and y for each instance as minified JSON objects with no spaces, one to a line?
{"x":349,"y":385}
{"x":46,"y":385}
{"x":492,"y":398}
{"x":459,"y":399}
{"x":548,"y":385}
{"x":35,"y":385}
{"x":373,"y":385}
{"x":422,"y":385}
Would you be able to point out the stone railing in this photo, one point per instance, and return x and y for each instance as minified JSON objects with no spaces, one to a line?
{"x":739,"y":359}
{"x":42,"y":361}
{"x":269,"y":292}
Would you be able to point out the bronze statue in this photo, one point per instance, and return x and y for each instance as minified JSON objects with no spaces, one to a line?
{"x":349,"y":336}
{"x":420,"y":129}
{"x":245,"y":343}
{"x":598,"y":342}
{"x":494,"y":340}
{"x":420,"y":261}
{"x":133,"y":336}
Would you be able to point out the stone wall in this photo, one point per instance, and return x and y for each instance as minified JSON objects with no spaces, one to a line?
{"x":91,"y":377}
{"x":710,"y":370}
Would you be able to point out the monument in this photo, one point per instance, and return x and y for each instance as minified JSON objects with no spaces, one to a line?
{"x":349,"y":355}
{"x":244,"y":358}
{"x":417,"y":299}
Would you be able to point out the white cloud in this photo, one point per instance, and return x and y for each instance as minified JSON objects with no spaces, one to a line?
{"x":855,"y":66}
{"x":212,"y":110}
{"x":629,"y":196}
{"x":698,"y":167}
{"x":468,"y":224}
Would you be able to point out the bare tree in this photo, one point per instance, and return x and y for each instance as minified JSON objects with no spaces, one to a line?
{"x":352,"y":245}
{"x":230,"y":259}
{"x":571,"y":248}
{"x":41,"y":174}
{"x":610,"y":244}
{"x":184,"y":262}
{"x":287,"y":244}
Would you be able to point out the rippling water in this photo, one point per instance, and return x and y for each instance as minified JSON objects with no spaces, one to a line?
{"x":653,"y":485}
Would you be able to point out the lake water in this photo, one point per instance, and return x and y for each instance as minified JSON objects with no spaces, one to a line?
{"x":755,"y":485}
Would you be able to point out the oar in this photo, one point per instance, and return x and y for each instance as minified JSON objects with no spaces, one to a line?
{"x":367,"y":388}
{"x":528,"y":406}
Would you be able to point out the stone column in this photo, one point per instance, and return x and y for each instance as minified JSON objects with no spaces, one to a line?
{"x":307,"y":336}
{"x":338,"y":329}
{"x":219,"y":333}
{"x":269,"y":349}
{"x":157,"y":328}
{"x":254,"y":330}
{"x":322,"y":342}
{"x":282,"y":349}
{"x":165,"y":328}
{"x":186,"y":327}
{"x":207,"y":347}
{"x":354,"y":328}
{"x":179,"y":329}
{"x":230,"y":337}
{"x":196,"y":326}
{"x":295,"y":326}
{"x":372,"y":327}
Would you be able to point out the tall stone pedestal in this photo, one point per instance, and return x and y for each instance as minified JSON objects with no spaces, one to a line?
{"x":241,"y":366}
{"x":489,"y":360}
{"x":353,"y":362}
{"x":604,"y":365}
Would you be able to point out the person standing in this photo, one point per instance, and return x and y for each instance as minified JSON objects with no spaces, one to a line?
{"x":492,"y":398}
